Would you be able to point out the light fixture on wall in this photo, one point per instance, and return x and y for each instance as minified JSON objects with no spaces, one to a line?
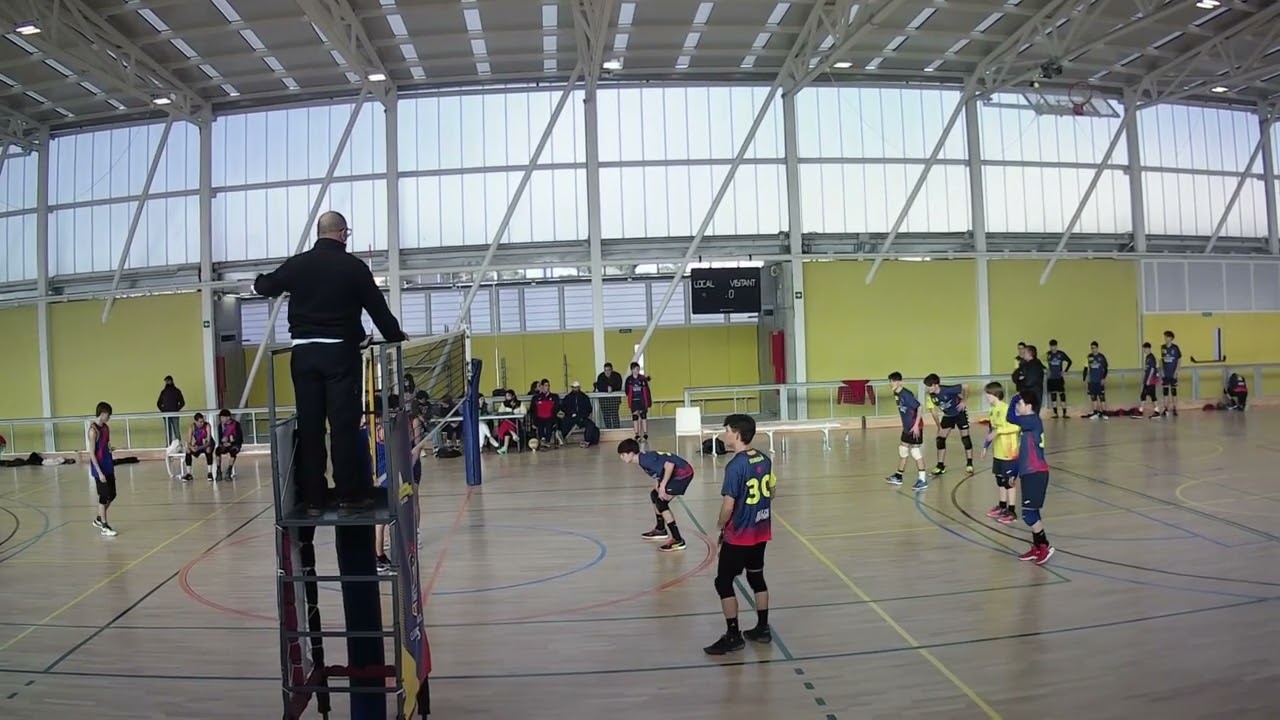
{"x":161,"y":100}
{"x":1208,"y":4}
{"x":29,"y":27}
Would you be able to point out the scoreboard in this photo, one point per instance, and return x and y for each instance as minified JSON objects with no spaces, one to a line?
{"x":725,"y":290}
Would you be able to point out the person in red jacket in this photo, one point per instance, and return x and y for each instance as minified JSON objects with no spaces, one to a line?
{"x":639,"y":400}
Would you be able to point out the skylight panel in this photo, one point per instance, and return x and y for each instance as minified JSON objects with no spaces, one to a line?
{"x":704,"y":13}
{"x":921,"y":18}
{"x":779,"y":12}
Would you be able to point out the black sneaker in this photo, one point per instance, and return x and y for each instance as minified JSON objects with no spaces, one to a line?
{"x":384,"y":564}
{"x":656,"y":534}
{"x":939,"y":469}
{"x":763,"y":635}
{"x":673,"y":546}
{"x":728,"y":642}
{"x":187,"y":477}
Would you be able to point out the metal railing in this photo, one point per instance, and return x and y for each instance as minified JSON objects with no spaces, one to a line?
{"x":130,"y":432}
{"x":822,"y":401}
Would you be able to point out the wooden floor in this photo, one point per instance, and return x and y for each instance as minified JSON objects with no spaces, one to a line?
{"x":545,"y":603}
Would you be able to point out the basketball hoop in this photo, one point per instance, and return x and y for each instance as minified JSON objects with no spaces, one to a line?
{"x":1079,"y":95}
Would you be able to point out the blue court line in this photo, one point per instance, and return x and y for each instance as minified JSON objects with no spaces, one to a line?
{"x":44,"y":530}
{"x":1188,"y":533}
{"x":920,"y":507}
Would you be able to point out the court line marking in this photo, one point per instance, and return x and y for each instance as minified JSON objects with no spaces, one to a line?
{"x":122,"y":571}
{"x":1182,"y":498}
{"x":915,"y":644}
{"x":444,"y":547}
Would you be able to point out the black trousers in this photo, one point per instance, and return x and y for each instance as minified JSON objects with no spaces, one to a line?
{"x":326,"y":385}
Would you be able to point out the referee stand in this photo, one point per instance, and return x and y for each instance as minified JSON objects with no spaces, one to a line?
{"x":368,"y":678}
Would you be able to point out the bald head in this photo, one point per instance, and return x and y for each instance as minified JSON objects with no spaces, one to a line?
{"x":332,"y":225}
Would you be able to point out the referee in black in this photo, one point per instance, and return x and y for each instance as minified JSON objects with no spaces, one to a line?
{"x":328,"y":289}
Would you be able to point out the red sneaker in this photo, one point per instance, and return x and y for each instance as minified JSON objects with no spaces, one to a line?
{"x":1032,"y":554}
{"x":1045,"y":552}
{"x":996,"y":511}
{"x":1007,"y":518}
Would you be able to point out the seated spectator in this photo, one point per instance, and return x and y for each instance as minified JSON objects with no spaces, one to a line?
{"x":1237,"y":392}
{"x":575,"y":410}
{"x":509,"y":429}
{"x":545,"y":409}
{"x":449,"y":432}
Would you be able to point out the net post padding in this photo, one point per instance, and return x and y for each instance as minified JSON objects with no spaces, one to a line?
{"x":471,"y":423}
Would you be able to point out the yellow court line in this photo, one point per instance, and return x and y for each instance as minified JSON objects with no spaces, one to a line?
{"x":123,"y":570}
{"x":866,"y":600}
{"x":1178,"y":493}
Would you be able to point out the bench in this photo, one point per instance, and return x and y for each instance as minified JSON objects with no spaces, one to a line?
{"x":779,"y":426}
{"x":175,"y":454}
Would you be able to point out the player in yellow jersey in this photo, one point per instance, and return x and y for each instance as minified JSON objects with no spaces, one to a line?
{"x":1004,"y":436}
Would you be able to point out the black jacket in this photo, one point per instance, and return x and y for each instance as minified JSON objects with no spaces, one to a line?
{"x":576,"y":405}
{"x":170,"y":400}
{"x":1030,"y":376}
{"x":328,"y":288}
{"x":610,"y":383}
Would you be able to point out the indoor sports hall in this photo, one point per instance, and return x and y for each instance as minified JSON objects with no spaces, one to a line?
{"x":616,"y":224}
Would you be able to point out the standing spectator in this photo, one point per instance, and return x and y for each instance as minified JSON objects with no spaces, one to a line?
{"x":171,"y":401}
{"x":609,"y":381}
{"x":328,"y":290}
{"x":576,"y":409}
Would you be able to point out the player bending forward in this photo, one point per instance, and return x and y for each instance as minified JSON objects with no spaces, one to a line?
{"x":950,"y":401}
{"x":673,"y":475}
{"x":1004,"y":435}
{"x":1033,"y":475}
{"x":912,"y":433}
{"x":745,"y":529}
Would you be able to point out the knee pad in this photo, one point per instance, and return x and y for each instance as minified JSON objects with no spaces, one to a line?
{"x":1030,"y":516}
{"x":663,"y":505}
{"x":902,"y":451}
{"x":1174,"y":391}
{"x":1002,"y":481}
{"x":941,"y":443}
{"x":916,"y":453}
{"x":1165,"y":391}
{"x":1102,"y":396}
{"x":755,"y":578}
{"x":967,"y":442}
{"x":724,"y":586}
{"x":653,"y":496}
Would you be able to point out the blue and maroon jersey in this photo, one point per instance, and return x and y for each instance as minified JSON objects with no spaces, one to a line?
{"x":1170,"y":357}
{"x":908,"y":409}
{"x":102,"y":451}
{"x":748,"y":479}
{"x":654,"y":464}
{"x":1031,"y":457}
{"x":229,"y":433}
{"x":638,"y":394}
{"x":201,"y":435}
{"x":376,"y":460}
{"x":1149,"y":374}
{"x":949,"y":399}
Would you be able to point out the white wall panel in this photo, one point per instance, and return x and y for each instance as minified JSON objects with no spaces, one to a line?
{"x":18,"y":182}
{"x":671,"y":201}
{"x":868,"y":198}
{"x":1012,"y":134}
{"x":18,"y":247}
{"x":296,"y":144}
{"x":257,"y":224}
{"x":1197,"y":138}
{"x":90,"y":239}
{"x":1183,"y":204}
{"x":1042,"y":200}
{"x":685,"y":123}
{"x":107,"y":164}
{"x":466,"y":209}
{"x":487,"y":130}
{"x":880,"y":123}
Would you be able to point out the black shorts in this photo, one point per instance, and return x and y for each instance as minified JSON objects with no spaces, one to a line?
{"x":1057,"y":385}
{"x":734,"y":559}
{"x":678,"y":486}
{"x":1170,"y":381}
{"x":959,"y":421}
{"x":908,"y":439}
{"x":1097,"y":391}
{"x":1034,"y":487}
{"x":1004,"y":470}
{"x":232,"y":450}
{"x":106,"y":488}
{"x":1148,"y":393}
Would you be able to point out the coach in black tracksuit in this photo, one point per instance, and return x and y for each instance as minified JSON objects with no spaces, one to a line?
{"x":1030,"y":375}
{"x":328,"y":289}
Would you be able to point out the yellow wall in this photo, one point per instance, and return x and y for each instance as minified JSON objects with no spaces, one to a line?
{"x":284,"y":385}
{"x":1083,"y":301}
{"x":915,"y":317}
{"x":124,"y":361}
{"x":1247,"y":339}
{"x":20,"y":378}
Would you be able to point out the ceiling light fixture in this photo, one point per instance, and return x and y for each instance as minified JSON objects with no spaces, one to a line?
{"x":1208,"y":4}
{"x":377,"y":77}
{"x":612,"y":64}
{"x":843,"y":65}
{"x":1218,"y":89}
{"x":162,"y":101}
{"x":31,"y":27}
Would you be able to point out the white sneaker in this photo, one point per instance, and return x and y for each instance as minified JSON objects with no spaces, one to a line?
{"x":97,"y":522}
{"x":108,"y":531}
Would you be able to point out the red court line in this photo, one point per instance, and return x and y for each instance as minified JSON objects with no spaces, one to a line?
{"x":444,"y":547}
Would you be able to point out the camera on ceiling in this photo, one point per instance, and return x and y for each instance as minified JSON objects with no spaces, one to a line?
{"x":1049,"y":70}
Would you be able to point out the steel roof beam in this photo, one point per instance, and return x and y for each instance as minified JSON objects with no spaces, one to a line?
{"x":84,"y":42}
{"x":18,"y":129}
{"x":343,"y":30}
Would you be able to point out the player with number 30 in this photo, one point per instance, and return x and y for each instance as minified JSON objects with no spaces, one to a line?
{"x":745,"y":528}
